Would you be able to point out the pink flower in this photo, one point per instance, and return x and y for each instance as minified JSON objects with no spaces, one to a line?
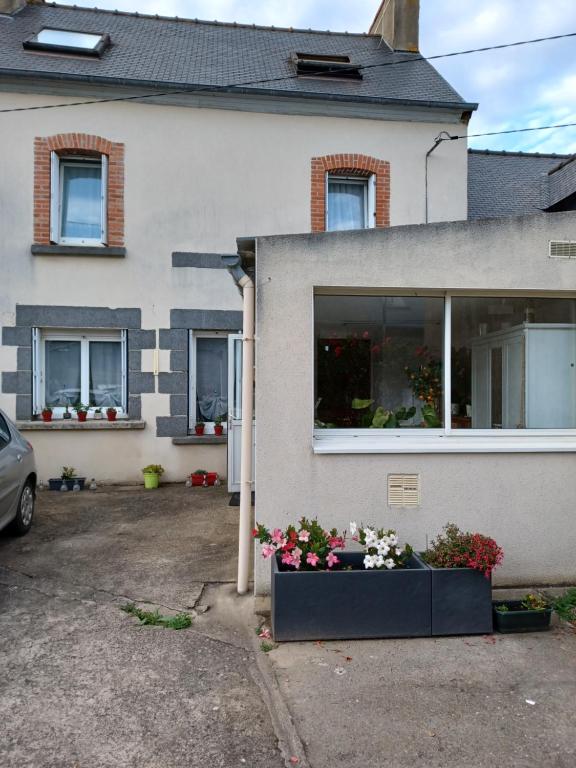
{"x":287,"y":558}
{"x":277,"y":536}
{"x":312,"y":559}
{"x":332,"y":560}
{"x":304,"y":535}
{"x":335,"y":542}
{"x":268,"y":550}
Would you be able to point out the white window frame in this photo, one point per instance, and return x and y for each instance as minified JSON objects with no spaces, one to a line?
{"x":369,"y":184}
{"x":57,"y":165}
{"x":39,"y":339}
{"x":193,"y":336}
{"x":445,"y":439}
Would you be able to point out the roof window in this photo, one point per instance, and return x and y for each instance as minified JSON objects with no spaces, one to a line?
{"x":67,"y":41}
{"x":320,"y":65}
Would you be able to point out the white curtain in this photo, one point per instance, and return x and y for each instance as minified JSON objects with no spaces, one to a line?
{"x":211,"y":378}
{"x":346,"y":205}
{"x":62,"y":366}
{"x":81,"y":201}
{"x":106,"y":374}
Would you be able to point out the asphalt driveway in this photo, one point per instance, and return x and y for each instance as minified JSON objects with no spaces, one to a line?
{"x":82,"y":684}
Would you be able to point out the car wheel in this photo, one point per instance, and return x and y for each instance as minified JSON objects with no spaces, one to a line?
{"x":23,"y":520}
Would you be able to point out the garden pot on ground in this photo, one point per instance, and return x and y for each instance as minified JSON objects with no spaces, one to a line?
{"x":518,"y":619}
{"x":151,"y":480}
{"x":351,"y":604}
{"x":55,"y":483}
{"x":198,"y":479}
{"x":461,"y":602}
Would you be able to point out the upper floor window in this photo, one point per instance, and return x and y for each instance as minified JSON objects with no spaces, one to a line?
{"x":350,"y":202}
{"x":78,"y":200}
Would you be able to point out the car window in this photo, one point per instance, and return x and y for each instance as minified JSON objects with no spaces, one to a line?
{"x":4,"y":433}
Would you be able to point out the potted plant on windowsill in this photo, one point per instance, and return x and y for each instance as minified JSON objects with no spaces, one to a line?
{"x":199,"y":428}
{"x":320,"y":592}
{"x":46,"y":414}
{"x":97,"y":413}
{"x":67,"y":478}
{"x":152,"y":474}
{"x":462,"y":565}
{"x":531,"y":614}
{"x":218,"y":426}
{"x":111,"y":414}
{"x":67,"y":414}
{"x":82,"y":412}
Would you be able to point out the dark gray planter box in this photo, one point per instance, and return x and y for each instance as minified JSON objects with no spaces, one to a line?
{"x":461,"y":602}
{"x":349,"y":605}
{"x":517,"y":619}
{"x":55,"y":483}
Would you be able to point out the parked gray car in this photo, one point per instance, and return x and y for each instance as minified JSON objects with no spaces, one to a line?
{"x":17,"y":479}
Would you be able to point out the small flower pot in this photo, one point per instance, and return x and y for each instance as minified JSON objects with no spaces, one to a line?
{"x":218,"y":429}
{"x":46,"y":415}
{"x":211,"y":478}
{"x":197,"y":479}
{"x":151,"y":480}
{"x":82,"y":415}
{"x":199,"y":430}
{"x":518,"y":619}
{"x":66,"y":415}
{"x":97,"y":415}
{"x":111,"y":415}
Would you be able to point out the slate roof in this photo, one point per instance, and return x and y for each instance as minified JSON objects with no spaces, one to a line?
{"x":164,"y":52}
{"x":513,"y":183}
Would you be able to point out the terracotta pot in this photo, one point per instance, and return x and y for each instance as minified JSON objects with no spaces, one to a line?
{"x":82,"y":415}
{"x":111,"y":415}
{"x":218,"y":429}
{"x":46,"y":415}
{"x":199,"y":430}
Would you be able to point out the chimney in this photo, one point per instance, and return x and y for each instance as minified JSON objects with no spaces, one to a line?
{"x":397,"y":24}
{"x":8,"y":7}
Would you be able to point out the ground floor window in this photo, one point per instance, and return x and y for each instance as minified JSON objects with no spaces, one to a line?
{"x":73,"y":368}
{"x":208,"y":378}
{"x":445,"y":363}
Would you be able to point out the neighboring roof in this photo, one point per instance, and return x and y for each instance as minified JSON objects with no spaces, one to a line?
{"x":185,"y":54}
{"x":510,"y":183}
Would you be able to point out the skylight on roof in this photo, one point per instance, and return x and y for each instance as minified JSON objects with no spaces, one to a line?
{"x":67,"y":41}
{"x":322,"y":65}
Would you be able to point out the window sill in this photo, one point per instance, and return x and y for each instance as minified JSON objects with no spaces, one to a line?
{"x":63,"y":425}
{"x":78,"y":250}
{"x":438,"y":443}
{"x":201,"y":440}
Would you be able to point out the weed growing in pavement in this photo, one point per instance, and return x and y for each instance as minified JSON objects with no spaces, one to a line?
{"x":565,"y":605}
{"x":266,"y":647}
{"x":155,"y":618}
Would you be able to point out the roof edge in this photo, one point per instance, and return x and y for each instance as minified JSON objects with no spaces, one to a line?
{"x":519,"y":153}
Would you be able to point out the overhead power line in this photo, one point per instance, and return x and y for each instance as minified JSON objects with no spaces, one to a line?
{"x":411,"y":59}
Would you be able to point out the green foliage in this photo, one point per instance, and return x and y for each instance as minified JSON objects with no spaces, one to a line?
{"x":219,"y":419}
{"x":266,"y":647}
{"x":358,"y":404}
{"x":46,"y":409}
{"x":565,"y":605}
{"x":68,"y":473}
{"x":81,"y":408}
{"x":199,"y":424}
{"x":503,"y":608}
{"x":431,"y":418}
{"x":534,"y":603}
{"x":155,"y":618}
{"x":200,"y":472}
{"x":153,"y":469}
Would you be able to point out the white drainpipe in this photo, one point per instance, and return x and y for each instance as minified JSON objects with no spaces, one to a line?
{"x":245,"y":523}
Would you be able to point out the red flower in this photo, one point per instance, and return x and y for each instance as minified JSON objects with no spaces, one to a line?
{"x":255,"y":532}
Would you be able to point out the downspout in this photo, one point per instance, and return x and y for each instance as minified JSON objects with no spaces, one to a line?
{"x":246,"y":286}
{"x":442,"y":136}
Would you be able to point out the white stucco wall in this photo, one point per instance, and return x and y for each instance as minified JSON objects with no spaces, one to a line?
{"x":195,"y":180}
{"x":524,"y":500}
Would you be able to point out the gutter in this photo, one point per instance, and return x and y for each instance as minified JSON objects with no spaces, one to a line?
{"x":192,"y":88}
{"x":246,"y":286}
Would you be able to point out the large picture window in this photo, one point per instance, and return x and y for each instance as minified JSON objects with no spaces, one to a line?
{"x":451,"y":365}
{"x":79,"y":368}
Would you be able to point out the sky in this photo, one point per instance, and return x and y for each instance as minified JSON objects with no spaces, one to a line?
{"x":520,"y":87}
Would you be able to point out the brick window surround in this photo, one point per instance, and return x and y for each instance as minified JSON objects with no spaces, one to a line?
{"x":67,"y":144}
{"x":349,"y":165}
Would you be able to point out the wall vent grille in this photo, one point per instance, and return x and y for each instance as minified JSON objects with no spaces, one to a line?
{"x":403,"y":490}
{"x":563,"y":249}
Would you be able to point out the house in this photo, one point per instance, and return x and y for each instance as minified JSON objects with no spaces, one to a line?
{"x":457,"y":341}
{"x":140,"y":148}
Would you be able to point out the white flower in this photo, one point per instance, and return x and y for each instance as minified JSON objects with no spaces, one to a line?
{"x":393,"y":540}
{"x":382,"y":547}
{"x":353,"y":528}
{"x":369,"y":561}
{"x":370,"y":537}
{"x":389,"y":563}
{"x":399,"y":551}
{"x":379,"y":561}
{"x":385,"y":539}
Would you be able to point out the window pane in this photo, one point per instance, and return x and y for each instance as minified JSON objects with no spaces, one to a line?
{"x":81,"y":201}
{"x":61,"y":37}
{"x":513,"y":363}
{"x":346,"y":204}
{"x":106,"y":374}
{"x":62,"y":373}
{"x":211,"y":378}
{"x":379,"y":361}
